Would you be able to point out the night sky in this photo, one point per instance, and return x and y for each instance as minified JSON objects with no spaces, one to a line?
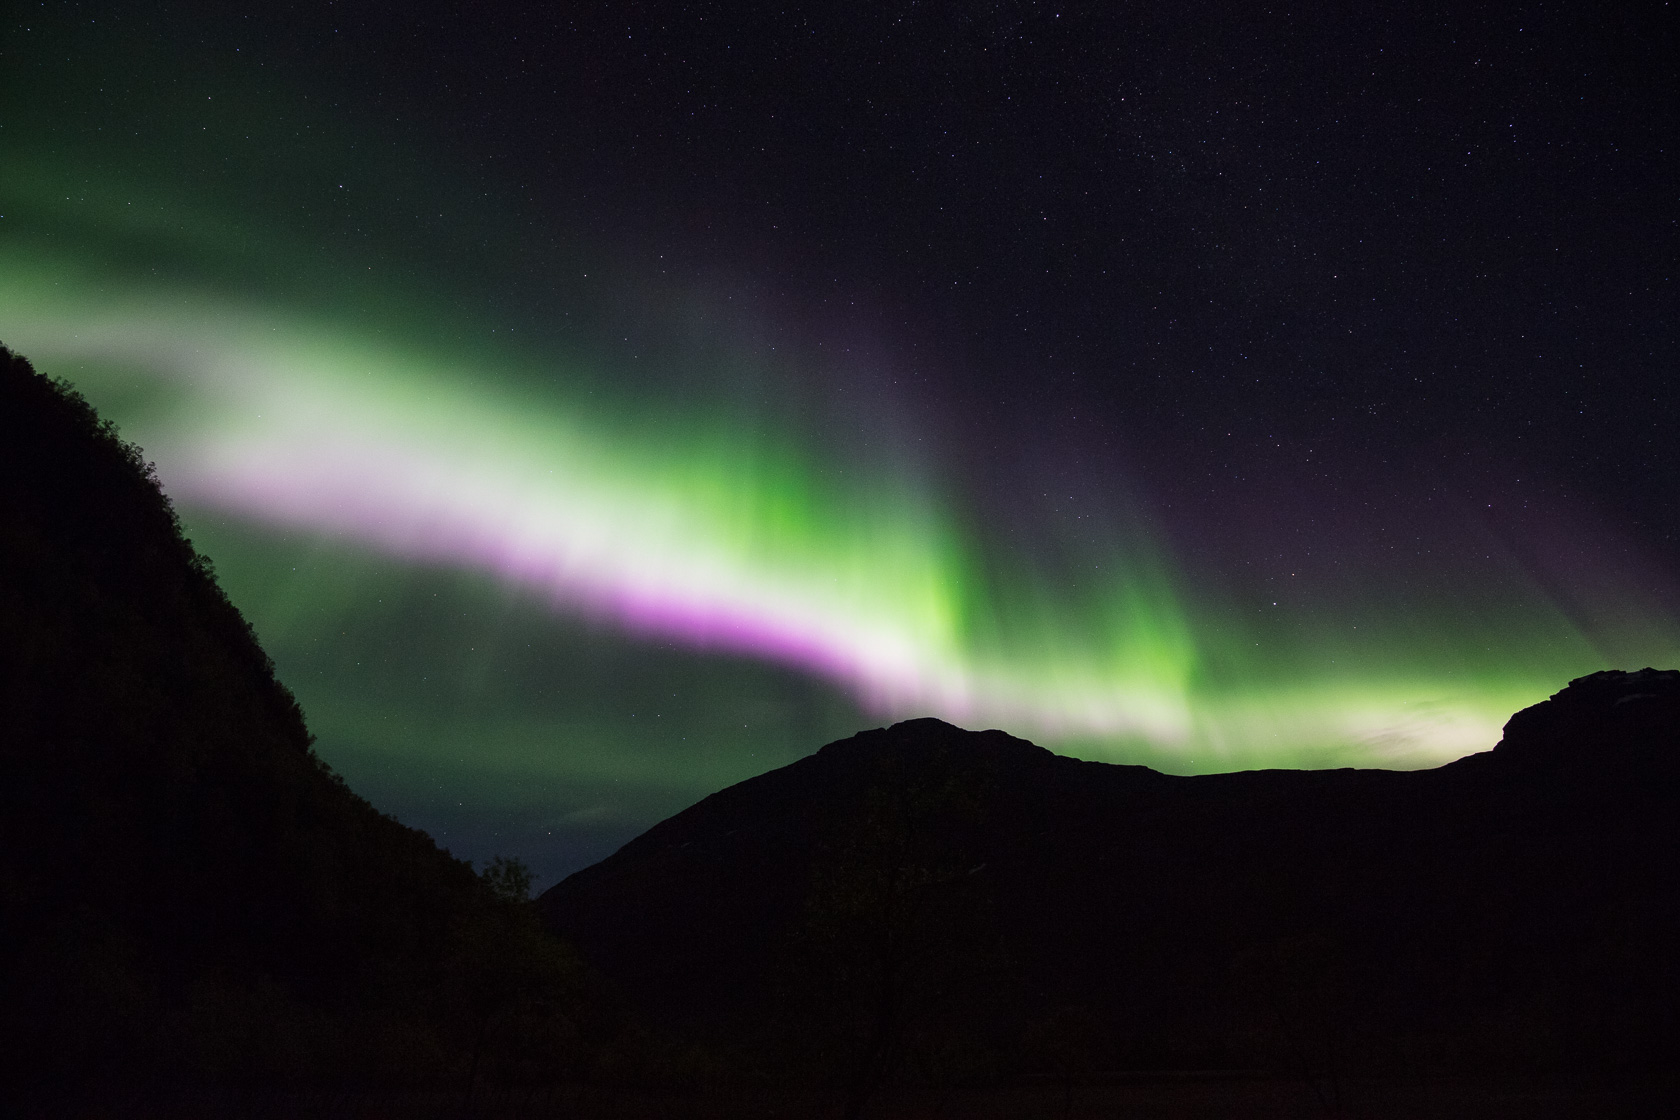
{"x":591,"y":406}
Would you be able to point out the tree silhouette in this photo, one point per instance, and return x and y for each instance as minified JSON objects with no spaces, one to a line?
{"x":508,"y":879}
{"x":509,"y":969}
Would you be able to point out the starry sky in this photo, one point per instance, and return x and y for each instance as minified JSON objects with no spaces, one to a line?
{"x":591,"y":406}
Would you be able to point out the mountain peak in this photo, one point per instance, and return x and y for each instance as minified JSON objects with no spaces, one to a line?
{"x":927,"y":738}
{"x":1624,"y":685}
{"x":1609,"y":716}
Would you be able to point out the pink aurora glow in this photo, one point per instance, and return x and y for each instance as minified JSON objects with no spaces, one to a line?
{"x":415,"y":507}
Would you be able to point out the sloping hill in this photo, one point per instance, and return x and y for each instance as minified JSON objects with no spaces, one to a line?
{"x":190,"y":892}
{"x":1512,"y":911}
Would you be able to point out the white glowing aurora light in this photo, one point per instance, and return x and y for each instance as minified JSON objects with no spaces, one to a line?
{"x":708,"y":536}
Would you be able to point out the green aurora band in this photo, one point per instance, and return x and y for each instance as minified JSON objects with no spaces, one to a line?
{"x":492,"y":570}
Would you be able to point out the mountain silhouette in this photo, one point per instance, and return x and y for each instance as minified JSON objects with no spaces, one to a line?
{"x":1512,"y":912}
{"x":191,"y":896}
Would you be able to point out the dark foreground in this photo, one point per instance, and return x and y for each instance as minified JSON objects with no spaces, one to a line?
{"x":201,"y":919}
{"x":927,"y":905}
{"x":1222,"y":1095}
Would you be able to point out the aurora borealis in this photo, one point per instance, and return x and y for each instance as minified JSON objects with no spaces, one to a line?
{"x":556,"y":519}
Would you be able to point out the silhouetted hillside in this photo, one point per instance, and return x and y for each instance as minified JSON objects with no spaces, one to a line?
{"x":191,"y":896}
{"x":992,"y":906}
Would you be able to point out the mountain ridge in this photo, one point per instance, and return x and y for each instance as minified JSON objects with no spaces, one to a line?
{"x":193,"y":896}
{"x":1494,"y":888}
